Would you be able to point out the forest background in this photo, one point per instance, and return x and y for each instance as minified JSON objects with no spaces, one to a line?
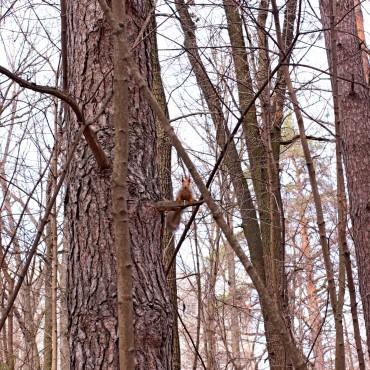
{"x":270,"y":109}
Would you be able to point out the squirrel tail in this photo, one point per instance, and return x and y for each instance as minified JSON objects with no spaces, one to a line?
{"x":173,"y":220}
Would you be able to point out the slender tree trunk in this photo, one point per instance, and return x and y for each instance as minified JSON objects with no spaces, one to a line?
{"x":233,"y":296}
{"x":31,"y":355}
{"x":313,"y":305}
{"x":234,"y":311}
{"x":8,"y":332}
{"x":48,"y":294}
{"x":210,"y":306}
{"x":51,"y":266}
{"x":54,"y":243}
{"x":4,"y":341}
{"x":63,"y":322}
{"x":164,"y":148}
{"x":54,"y":290}
{"x":7,"y":342}
{"x":341,"y":199}
{"x":10,"y":339}
{"x":199,"y":297}
{"x":91,"y":283}
{"x":354,"y":313}
{"x":348,"y":347}
{"x":125,"y":310}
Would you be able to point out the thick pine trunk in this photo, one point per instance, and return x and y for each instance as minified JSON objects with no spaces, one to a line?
{"x":354,"y":112}
{"x":91,"y":273}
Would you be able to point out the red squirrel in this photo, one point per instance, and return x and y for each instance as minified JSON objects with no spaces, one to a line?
{"x":184,"y":194}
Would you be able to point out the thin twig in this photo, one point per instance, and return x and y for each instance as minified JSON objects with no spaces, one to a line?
{"x":40,"y":229}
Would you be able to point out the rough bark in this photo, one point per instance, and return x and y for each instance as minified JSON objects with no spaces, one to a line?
{"x":354,"y":110}
{"x":361,"y":36}
{"x":91,"y":282}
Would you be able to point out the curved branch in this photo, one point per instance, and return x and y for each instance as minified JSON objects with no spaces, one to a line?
{"x":89,"y":134}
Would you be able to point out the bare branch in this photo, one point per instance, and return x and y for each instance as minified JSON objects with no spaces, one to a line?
{"x":90,"y":137}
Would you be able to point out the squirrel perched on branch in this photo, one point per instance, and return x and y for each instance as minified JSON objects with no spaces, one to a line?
{"x":184,"y":194}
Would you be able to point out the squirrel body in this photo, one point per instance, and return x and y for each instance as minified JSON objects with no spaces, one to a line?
{"x":184,"y":195}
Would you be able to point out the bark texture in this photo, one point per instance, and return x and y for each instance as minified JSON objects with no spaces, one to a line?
{"x":91,"y":274}
{"x":125,"y":309}
{"x":354,"y":112}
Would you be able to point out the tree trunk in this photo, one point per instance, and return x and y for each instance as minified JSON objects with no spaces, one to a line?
{"x":354,"y":112}
{"x":164,"y":148}
{"x":31,"y":353}
{"x":314,"y":315}
{"x":3,"y":341}
{"x":210,"y":307}
{"x":48,"y":294}
{"x":10,"y":345}
{"x":63,"y":321}
{"x":91,"y":280}
{"x":234,"y":311}
{"x":54,"y":248}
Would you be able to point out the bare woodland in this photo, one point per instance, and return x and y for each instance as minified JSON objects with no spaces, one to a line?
{"x":108,"y":109}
